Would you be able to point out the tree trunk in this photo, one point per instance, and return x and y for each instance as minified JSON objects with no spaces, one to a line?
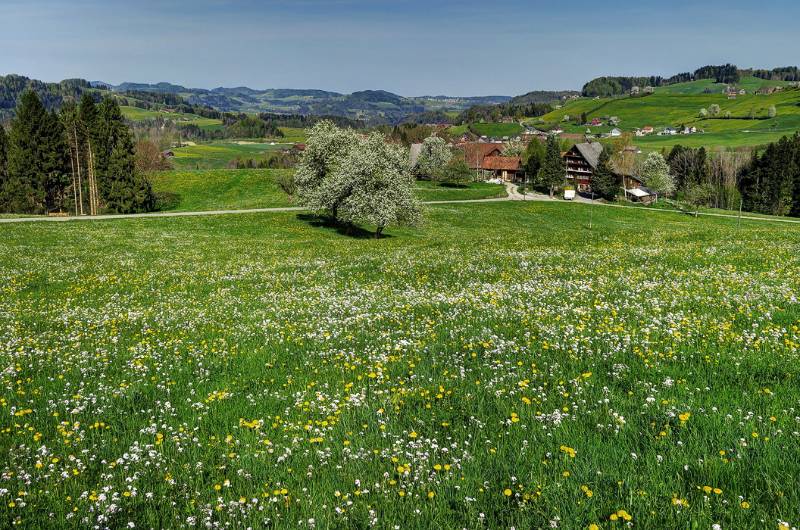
{"x":74,"y":181}
{"x":78,"y":161}
{"x":93,"y":196}
{"x":378,"y":232}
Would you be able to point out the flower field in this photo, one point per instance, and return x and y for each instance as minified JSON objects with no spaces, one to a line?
{"x":501,"y":366}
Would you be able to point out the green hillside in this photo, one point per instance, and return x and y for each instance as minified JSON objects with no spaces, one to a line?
{"x":137,"y":114}
{"x":680,"y":104}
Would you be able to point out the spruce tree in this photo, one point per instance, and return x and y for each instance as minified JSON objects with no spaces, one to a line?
{"x":122,"y":189}
{"x":3,"y":157}
{"x":604,"y":182}
{"x":23,"y":190}
{"x":553,"y":170}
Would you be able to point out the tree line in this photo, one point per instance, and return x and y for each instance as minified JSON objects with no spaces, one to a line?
{"x":80,"y":161}
{"x":608,"y":86}
{"x":770,"y":182}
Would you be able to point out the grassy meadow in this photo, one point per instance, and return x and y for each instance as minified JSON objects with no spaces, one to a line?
{"x":268,"y":371}
{"x":680,"y":105}
{"x":137,"y":114}
{"x":221,"y":189}
{"x":219,"y":154}
{"x":241,"y":189}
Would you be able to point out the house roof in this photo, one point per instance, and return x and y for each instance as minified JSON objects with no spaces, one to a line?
{"x":591,"y":152}
{"x":502,"y":163}
{"x":476,"y":152}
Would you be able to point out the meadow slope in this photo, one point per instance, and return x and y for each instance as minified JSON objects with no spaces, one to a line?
{"x":500,"y":366}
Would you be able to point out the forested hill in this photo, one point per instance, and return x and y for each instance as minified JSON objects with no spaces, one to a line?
{"x":52,"y":95}
{"x":727,"y":74}
{"x":373,"y":107}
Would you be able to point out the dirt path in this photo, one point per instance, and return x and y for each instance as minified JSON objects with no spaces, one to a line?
{"x":511,"y":189}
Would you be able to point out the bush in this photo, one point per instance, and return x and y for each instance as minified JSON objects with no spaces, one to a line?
{"x":166,"y":200}
{"x":287,"y":183}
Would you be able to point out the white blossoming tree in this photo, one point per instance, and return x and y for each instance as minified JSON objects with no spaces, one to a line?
{"x":356,"y":179}
{"x":316,"y":190}
{"x":380,"y":183}
{"x":433,"y":158}
{"x":656,"y":176}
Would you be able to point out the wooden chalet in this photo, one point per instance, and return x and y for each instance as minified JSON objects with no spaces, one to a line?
{"x":506,"y":168}
{"x":489,"y":157}
{"x":581,"y":162}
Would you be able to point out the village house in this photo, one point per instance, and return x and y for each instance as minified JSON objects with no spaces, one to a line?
{"x":615,"y":133}
{"x":636,"y":191}
{"x":635,"y":91}
{"x":596,"y":122}
{"x":489,"y":157}
{"x":505,"y":168}
{"x":645,"y":131}
{"x":581,"y":162}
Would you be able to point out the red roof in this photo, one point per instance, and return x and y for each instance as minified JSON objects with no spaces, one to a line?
{"x":476,"y":152}
{"x":502,"y":163}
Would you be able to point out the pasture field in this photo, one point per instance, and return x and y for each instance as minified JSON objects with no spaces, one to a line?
{"x":137,"y":114}
{"x":217,"y":155}
{"x":495,"y":129}
{"x":240,"y":189}
{"x":221,"y":189}
{"x":501,"y":366}
{"x":431,"y":191}
{"x":680,"y":105}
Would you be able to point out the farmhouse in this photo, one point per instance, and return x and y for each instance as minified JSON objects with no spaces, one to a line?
{"x":581,"y":162}
{"x":504,"y":167}
{"x":636,"y":191}
{"x":489,"y":157}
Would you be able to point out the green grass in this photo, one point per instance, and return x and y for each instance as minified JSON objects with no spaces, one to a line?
{"x":495,"y":365}
{"x":137,"y":114}
{"x":232,"y":189}
{"x":680,"y":105}
{"x":218,"y":155}
{"x":293,"y":135}
{"x":496,"y":129}
{"x":240,"y":189}
{"x":431,"y":191}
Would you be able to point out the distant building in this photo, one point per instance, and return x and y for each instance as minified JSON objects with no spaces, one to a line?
{"x":649,"y":90}
{"x":596,"y":122}
{"x":635,"y":91}
{"x":615,"y":133}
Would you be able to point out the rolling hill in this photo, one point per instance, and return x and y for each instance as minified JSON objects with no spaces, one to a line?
{"x":679,"y":104}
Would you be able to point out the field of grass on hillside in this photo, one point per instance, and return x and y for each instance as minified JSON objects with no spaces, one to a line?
{"x":675,"y":107}
{"x":137,"y":114}
{"x":496,"y":130}
{"x":240,"y":189}
{"x":219,"y":155}
{"x":501,"y":366}
{"x":232,"y":189}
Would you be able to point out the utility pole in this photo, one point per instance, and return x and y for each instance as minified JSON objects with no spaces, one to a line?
{"x":591,"y":212}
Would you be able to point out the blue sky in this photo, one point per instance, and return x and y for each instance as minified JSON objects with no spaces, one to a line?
{"x":411,"y":47}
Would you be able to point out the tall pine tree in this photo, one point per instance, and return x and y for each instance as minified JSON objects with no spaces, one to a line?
{"x":604,"y":182}
{"x":122,"y":189}
{"x":553,"y":170}
{"x":36,"y":161}
{"x":3,"y":157}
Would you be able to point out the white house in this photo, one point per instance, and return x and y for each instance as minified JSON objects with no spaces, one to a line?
{"x":615,"y":133}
